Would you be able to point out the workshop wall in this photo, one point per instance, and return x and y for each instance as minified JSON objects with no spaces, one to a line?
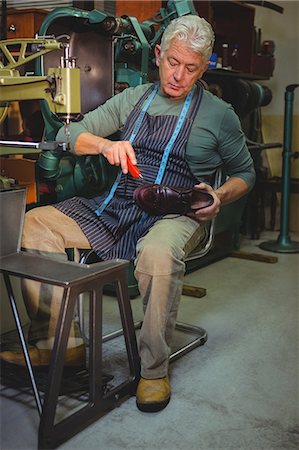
{"x":283,"y":30}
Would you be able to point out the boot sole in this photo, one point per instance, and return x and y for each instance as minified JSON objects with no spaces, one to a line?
{"x":152,"y":407}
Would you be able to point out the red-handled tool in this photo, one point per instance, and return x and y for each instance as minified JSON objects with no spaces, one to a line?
{"x":134,"y":171}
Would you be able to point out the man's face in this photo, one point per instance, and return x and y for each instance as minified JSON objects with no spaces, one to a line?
{"x":179,"y":68}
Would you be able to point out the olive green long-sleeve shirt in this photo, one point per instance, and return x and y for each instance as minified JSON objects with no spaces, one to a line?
{"x":216,"y":137}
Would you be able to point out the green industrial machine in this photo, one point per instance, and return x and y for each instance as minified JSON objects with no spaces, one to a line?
{"x":113,"y":53}
{"x":54,"y":88}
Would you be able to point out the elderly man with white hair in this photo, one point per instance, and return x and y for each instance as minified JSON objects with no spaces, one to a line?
{"x":178,"y":133}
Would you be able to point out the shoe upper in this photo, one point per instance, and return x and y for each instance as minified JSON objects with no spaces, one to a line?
{"x":156,"y":199}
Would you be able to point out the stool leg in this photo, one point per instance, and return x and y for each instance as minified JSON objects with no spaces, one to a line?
{"x":23,"y":342}
{"x":53,"y":434}
{"x":46,"y":427}
{"x":95,"y":347}
{"x":128,"y":325}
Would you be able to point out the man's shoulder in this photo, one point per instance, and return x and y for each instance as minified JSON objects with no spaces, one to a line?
{"x":214,"y":101}
{"x":217,"y":107}
{"x":136,"y":91}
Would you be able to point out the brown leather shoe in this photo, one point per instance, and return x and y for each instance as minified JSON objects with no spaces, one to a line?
{"x":74,"y":357}
{"x":153,"y":395}
{"x":156,"y":199}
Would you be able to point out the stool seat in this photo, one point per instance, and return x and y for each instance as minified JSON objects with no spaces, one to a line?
{"x":51,"y":271}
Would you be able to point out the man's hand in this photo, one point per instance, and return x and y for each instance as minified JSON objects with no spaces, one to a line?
{"x":228,"y":192}
{"x":208,"y":213}
{"x":116,"y":152}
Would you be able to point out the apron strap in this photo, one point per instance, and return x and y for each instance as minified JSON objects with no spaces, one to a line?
{"x":141,"y":115}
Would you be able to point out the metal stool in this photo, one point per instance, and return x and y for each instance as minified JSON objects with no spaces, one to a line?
{"x":75,"y":279}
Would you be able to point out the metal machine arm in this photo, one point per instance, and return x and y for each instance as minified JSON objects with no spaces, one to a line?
{"x":56,"y":88}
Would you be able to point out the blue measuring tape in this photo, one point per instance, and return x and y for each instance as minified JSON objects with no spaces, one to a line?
{"x":170,"y":143}
{"x":173,"y":137}
{"x":132,"y":137}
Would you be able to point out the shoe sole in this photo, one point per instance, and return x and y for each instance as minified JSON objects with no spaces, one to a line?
{"x":152,"y":407}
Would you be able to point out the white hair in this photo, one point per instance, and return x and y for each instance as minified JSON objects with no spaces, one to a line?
{"x":194,"y":31}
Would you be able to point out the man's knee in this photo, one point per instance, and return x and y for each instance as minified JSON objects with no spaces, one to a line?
{"x":38,"y":229}
{"x":159,"y":258}
{"x":33,"y":223}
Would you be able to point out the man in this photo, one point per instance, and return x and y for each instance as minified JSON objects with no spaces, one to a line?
{"x":178,"y":134}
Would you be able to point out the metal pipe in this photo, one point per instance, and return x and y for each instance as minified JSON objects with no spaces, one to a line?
{"x":284,"y":237}
{"x":284,"y":244}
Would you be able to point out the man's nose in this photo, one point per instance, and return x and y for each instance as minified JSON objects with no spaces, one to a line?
{"x":179,"y":73}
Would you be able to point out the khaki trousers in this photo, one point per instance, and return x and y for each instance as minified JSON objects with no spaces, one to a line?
{"x":159,"y":269}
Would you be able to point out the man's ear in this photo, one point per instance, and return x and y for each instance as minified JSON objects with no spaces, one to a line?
{"x":207,"y":66}
{"x":204,"y":69}
{"x":157,"y":54}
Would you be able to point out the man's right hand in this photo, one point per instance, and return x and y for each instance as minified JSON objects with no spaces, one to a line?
{"x":116,"y":152}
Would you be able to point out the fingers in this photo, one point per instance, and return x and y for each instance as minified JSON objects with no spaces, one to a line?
{"x":205,"y":214}
{"x":210,"y":212}
{"x":117,"y":152}
{"x":205,"y":186}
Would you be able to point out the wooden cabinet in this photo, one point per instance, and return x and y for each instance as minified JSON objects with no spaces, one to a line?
{"x":141,"y":10}
{"x":24,"y":23}
{"x":24,"y":121}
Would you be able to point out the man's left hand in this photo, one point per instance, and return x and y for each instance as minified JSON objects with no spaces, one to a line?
{"x":210,"y":212}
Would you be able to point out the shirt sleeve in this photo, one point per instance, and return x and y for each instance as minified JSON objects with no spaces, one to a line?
{"x":102,"y":121}
{"x":233,"y":149}
{"x":105,"y":119}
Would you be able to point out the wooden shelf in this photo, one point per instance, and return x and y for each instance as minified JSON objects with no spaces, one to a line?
{"x":234,"y":74}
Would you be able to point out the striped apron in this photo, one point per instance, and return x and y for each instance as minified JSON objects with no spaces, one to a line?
{"x":115,"y":231}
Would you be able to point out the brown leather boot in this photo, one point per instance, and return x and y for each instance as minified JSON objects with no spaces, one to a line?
{"x":153,"y":395}
{"x":74,"y":357}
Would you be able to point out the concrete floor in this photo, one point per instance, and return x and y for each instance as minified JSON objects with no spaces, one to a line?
{"x":239,"y":391}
